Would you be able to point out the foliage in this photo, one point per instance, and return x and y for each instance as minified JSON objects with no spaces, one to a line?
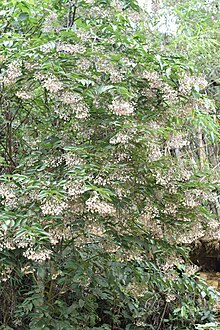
{"x":104,"y":180}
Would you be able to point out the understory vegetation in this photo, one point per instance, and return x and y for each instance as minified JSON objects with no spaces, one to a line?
{"x":109,"y":169}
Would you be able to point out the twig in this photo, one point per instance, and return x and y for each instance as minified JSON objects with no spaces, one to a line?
{"x":162,"y":316}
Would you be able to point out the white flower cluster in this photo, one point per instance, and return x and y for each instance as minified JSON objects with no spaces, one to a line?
{"x":95,"y":205}
{"x":2,"y":58}
{"x":169,"y":297}
{"x":22,"y":94}
{"x":47,"y":48}
{"x":12,"y":73}
{"x":154,"y":79}
{"x":48,"y":25}
{"x":177,"y":141}
{"x":187,"y":82}
{"x":170,"y":208}
{"x":95,"y":229}
{"x":72,"y":159}
{"x":191,"y":269}
{"x":6,"y":243}
{"x":76,"y":103}
{"x":122,"y":108}
{"x":37,"y":256}
{"x":74,"y":188}
{"x":154,"y":153}
{"x":106,"y":66}
{"x":171,"y":261}
{"x":10,"y":199}
{"x":23,"y":241}
{"x":70,"y":48}
{"x":170,"y":178}
{"x":83,"y":65}
{"x":5,"y":274}
{"x":120,"y":138}
{"x":53,"y":161}
{"x":31,"y":65}
{"x":53,"y":207}
{"x":192,"y":198}
{"x":169,"y":93}
{"x":60,"y":233}
{"x":194,"y":233}
{"x":52,"y":84}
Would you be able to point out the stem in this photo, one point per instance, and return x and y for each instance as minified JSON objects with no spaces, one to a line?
{"x":162,"y":316}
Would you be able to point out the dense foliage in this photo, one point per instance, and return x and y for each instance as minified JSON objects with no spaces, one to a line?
{"x":104,"y":179}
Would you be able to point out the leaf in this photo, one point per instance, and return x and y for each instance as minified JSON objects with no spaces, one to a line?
{"x":81,"y":303}
{"x":23,"y":16}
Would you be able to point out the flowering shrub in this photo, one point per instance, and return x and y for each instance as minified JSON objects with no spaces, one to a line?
{"x":100,"y":185}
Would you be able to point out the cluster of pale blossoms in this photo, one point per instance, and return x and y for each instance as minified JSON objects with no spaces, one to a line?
{"x":95,"y":205}
{"x":170,"y":208}
{"x":31,"y":65}
{"x":169,"y":297}
{"x":5,"y":274}
{"x":149,"y":221}
{"x":53,"y":161}
{"x":187,"y":82}
{"x":108,"y":67}
{"x":72,"y":159}
{"x":134,"y":17}
{"x":192,"y":198}
{"x":37,"y":256}
{"x":83,"y":65}
{"x":169,"y":94}
{"x":70,"y":48}
{"x":7,"y":243}
{"x":120,"y":138}
{"x":177,"y":141}
{"x":171,"y":261}
{"x":97,"y":12}
{"x":176,"y":173}
{"x":60,"y":233}
{"x":95,"y":229}
{"x":191,"y":269}
{"x":74,"y":188}
{"x":52,"y":84}
{"x":10,"y":199}
{"x":23,"y":241}
{"x":12,"y":73}
{"x":154,"y":79}
{"x":48,"y":25}
{"x":194,"y":233}
{"x":122,"y":108}
{"x":77,"y":104}
{"x":22,"y":94}
{"x":195,"y":197}
{"x":213,"y":232}
{"x":136,"y":289}
{"x":74,"y":100}
{"x":47,"y":48}
{"x":153,"y":152}
{"x":53,"y":207}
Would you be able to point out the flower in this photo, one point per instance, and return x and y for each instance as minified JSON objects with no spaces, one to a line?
{"x":23,"y":95}
{"x":121,"y":108}
{"x":12,"y":73}
{"x":48,"y":25}
{"x":53,"y":207}
{"x":94,"y":204}
{"x":70,"y":48}
{"x":52,"y":84}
